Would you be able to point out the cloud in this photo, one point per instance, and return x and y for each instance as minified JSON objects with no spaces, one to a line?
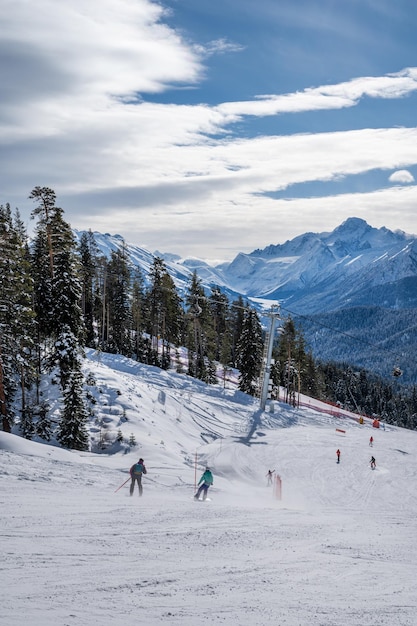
{"x":62,"y":58}
{"x":76,"y":114}
{"x":401,"y":176}
{"x":217,"y":46}
{"x":329,"y":97}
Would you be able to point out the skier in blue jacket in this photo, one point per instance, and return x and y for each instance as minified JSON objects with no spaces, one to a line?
{"x":136,"y":472}
{"x":205,"y":481}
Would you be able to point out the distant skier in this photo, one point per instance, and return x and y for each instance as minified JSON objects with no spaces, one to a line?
{"x":373,"y":462}
{"x":338,"y":455}
{"x":205,"y":482}
{"x":136,"y":472}
{"x":269,"y":477}
{"x":371,"y":441}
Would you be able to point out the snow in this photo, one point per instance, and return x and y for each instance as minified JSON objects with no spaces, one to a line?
{"x":338,"y":549}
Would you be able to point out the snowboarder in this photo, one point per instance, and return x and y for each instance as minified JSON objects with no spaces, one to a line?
{"x":206,"y":481}
{"x":338,"y":455}
{"x":371,"y":441}
{"x":136,"y":472}
{"x":269,"y":476}
{"x":373,"y":462}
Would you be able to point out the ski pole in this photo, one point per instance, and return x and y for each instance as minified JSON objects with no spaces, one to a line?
{"x":122,"y":485}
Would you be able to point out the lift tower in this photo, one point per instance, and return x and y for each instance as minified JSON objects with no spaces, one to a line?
{"x":266,"y":360}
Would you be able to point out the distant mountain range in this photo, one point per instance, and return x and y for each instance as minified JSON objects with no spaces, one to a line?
{"x":353,"y":290}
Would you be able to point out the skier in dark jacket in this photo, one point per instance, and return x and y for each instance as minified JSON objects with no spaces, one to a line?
{"x":206,"y":481}
{"x":136,"y":472}
{"x":373,"y":462}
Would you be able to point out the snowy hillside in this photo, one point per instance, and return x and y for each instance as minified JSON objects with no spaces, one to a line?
{"x":337,"y":549}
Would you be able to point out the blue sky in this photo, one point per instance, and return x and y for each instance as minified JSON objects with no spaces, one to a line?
{"x":206,"y":129}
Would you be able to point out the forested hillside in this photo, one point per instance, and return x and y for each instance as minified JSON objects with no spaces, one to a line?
{"x":58,"y":296}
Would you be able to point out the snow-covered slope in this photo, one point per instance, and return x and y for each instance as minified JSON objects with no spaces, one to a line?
{"x":338,"y":548}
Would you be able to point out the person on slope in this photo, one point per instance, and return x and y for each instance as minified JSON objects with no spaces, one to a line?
{"x":269,"y":477}
{"x":338,"y":455}
{"x":205,"y":482}
{"x":373,"y":462}
{"x":136,"y":472}
{"x":371,"y":441}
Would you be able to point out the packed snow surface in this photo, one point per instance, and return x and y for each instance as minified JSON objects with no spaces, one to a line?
{"x":337,"y":549}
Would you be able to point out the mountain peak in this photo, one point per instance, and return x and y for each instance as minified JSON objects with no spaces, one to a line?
{"x":353,"y":224}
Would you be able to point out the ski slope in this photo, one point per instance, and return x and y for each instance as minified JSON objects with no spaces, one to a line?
{"x":339,"y":548}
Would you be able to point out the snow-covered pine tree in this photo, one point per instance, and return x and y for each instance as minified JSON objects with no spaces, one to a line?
{"x":118,"y":304}
{"x":172,"y":318}
{"x":219,"y":306}
{"x":66,"y":285}
{"x":137,"y":312}
{"x":154,"y":308}
{"x":290,"y":361}
{"x":163,"y":314}
{"x":237,"y":314}
{"x":27,"y":427}
{"x":65,"y":329}
{"x":200,"y":332}
{"x":16,"y":315}
{"x":249,"y":352}
{"x":72,"y":431}
{"x":42,"y":421}
{"x":89,"y":254}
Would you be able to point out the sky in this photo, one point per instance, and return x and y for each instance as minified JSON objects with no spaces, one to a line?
{"x":338,"y":547}
{"x":208,"y":129}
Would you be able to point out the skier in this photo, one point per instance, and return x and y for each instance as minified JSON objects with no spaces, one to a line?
{"x":206,"y":481}
{"x":338,"y":455}
{"x":373,"y":462}
{"x":371,"y":441}
{"x":269,"y":476}
{"x":136,"y":472}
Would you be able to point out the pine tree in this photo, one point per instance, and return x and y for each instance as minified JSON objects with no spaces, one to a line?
{"x":163,"y":314}
{"x":172,"y":318}
{"x":290,"y":359}
{"x":137,"y":314}
{"x":42,"y":421}
{"x":249,"y":352}
{"x":66,"y":330}
{"x":66,"y":286}
{"x":61,"y":324}
{"x":72,"y":431}
{"x":42,"y":281}
{"x":237,"y":315}
{"x":200,"y":333}
{"x":16,"y":316}
{"x":219,"y":306}
{"x":88,"y":252}
{"x":118,"y":304}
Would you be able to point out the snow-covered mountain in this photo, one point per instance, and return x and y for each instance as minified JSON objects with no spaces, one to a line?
{"x":353,"y":275}
{"x":336,"y":548}
{"x":353,"y":265}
